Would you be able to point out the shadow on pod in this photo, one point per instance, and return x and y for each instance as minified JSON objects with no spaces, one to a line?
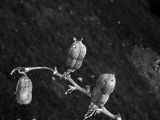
{"x":73,"y":63}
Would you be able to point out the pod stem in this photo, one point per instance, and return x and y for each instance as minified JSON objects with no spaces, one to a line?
{"x":24,"y":70}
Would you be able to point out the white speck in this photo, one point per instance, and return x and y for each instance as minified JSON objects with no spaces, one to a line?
{"x":60,"y":8}
{"x":71,"y":12}
{"x":119,"y":22}
{"x":111,"y":1}
{"x":80,"y":79}
{"x":110,"y":44}
{"x":58,"y":34}
{"x":53,"y":78}
{"x":74,"y":39}
{"x":92,"y":18}
{"x":123,"y":44}
{"x":16,"y":30}
{"x":22,"y":1}
{"x":92,"y":76}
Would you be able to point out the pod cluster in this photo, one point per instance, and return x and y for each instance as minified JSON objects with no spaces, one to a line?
{"x":104,"y":87}
{"x":24,"y":90}
{"x":76,"y":54}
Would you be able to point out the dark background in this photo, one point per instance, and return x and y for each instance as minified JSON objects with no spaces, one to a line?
{"x":39,"y":33}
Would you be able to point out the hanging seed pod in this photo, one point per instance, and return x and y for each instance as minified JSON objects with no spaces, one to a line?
{"x":100,"y":94}
{"x":104,"y":87}
{"x":76,"y":54}
{"x":107,"y":83}
{"x":24,"y":90}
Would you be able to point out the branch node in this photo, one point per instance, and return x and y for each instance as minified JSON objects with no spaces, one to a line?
{"x":71,"y":89}
{"x":65,"y":76}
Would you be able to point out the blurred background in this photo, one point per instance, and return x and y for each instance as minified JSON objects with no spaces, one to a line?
{"x":121,"y":36}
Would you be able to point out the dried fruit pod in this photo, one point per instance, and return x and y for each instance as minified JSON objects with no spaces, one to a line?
{"x":104,"y":87}
{"x":107,"y":83}
{"x":24,"y":90}
{"x":76,"y":54}
{"x":77,"y":50}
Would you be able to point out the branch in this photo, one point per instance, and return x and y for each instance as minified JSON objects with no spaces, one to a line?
{"x":77,"y":87}
{"x":24,"y":70}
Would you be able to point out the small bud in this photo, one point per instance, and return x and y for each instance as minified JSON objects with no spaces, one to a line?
{"x":80,"y":79}
{"x":92,"y":76}
{"x":74,"y":39}
{"x":53,"y":78}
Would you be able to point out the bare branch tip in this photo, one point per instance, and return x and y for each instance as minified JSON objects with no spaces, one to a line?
{"x":71,"y":89}
{"x":13,"y":71}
